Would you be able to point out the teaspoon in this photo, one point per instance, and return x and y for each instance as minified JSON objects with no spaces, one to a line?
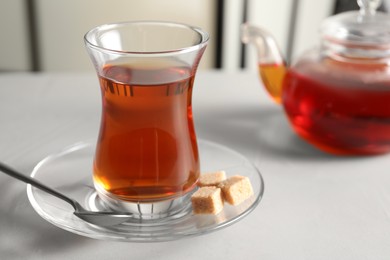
{"x":100,"y":218}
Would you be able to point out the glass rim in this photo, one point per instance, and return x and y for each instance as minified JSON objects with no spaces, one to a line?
{"x":204,"y":37}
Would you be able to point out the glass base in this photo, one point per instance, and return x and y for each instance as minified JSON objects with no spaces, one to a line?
{"x":147,"y":210}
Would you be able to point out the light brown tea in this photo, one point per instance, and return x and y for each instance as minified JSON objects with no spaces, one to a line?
{"x":147,"y":147}
{"x":272,"y":76}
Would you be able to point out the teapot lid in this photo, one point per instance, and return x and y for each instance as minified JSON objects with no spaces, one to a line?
{"x":366,"y":27}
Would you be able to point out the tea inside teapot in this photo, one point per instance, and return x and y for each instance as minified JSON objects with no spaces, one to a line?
{"x":337,"y":96}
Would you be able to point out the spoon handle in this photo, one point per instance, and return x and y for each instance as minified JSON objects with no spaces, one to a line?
{"x":13,"y":173}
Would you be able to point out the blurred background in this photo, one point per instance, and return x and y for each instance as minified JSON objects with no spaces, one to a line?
{"x":47,"y":35}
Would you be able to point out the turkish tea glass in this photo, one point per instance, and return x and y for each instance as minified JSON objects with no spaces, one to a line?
{"x":146,"y":159}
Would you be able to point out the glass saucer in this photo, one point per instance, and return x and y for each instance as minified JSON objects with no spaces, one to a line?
{"x":70,"y":171}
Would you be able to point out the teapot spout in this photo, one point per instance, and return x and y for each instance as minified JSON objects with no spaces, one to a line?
{"x":272,"y":67}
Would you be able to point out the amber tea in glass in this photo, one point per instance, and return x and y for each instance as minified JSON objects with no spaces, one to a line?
{"x":147,"y":149}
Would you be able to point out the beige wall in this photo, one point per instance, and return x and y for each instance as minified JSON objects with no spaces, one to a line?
{"x":62,"y":25}
{"x":14,"y":43}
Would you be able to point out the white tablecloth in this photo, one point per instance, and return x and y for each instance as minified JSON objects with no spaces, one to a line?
{"x":315,"y":206}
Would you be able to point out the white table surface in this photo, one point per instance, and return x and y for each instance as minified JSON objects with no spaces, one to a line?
{"x":315,"y":206}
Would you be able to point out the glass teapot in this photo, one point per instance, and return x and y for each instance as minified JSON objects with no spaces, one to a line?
{"x":337,"y":96}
